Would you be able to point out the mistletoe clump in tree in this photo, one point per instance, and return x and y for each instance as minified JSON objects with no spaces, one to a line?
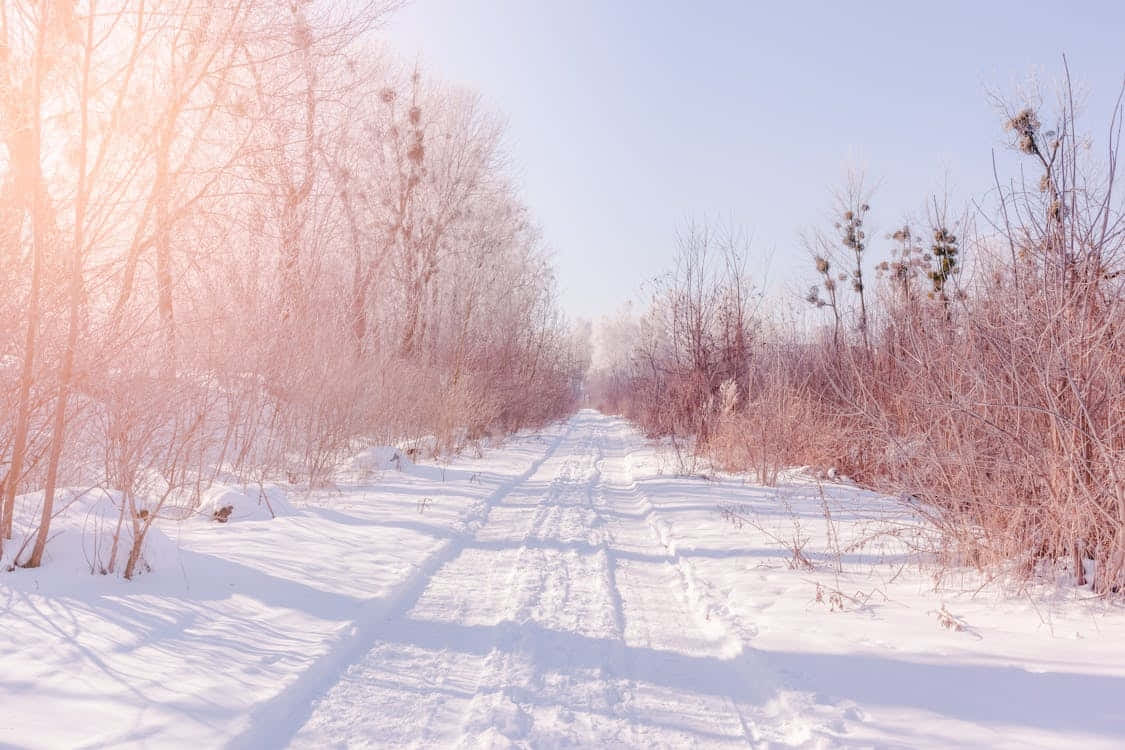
{"x":944,"y":254}
{"x":853,"y":238}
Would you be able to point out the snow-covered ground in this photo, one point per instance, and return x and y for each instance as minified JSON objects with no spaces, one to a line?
{"x":566,"y":590}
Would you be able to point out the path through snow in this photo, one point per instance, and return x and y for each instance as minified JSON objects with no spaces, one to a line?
{"x":564,"y":620}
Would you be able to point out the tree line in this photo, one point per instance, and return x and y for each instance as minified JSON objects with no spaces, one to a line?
{"x":236,"y":237}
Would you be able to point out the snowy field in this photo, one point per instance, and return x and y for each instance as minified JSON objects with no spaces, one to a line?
{"x":568,"y":589}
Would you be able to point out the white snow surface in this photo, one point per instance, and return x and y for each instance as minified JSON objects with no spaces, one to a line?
{"x":251,"y":503}
{"x":568,"y":589}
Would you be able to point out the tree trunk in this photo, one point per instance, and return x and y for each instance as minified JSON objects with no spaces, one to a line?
{"x":38,"y":230}
{"x":66,"y":373}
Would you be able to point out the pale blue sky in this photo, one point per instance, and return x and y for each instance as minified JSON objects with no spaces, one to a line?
{"x":627,"y":118}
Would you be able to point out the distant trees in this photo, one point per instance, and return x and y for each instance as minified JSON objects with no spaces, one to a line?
{"x":696,"y":336}
{"x":234,"y":238}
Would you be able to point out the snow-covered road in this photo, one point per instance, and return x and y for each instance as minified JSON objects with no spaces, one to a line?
{"x":570,"y":588}
{"x":563,"y":620}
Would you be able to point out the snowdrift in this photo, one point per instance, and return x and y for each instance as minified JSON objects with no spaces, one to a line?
{"x":82,"y":534}
{"x":378,"y":458}
{"x":226,"y":503}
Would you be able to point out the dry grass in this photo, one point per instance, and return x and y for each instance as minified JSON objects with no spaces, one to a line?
{"x":993,"y":399}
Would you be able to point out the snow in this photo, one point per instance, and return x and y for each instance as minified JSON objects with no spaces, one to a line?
{"x":81,"y":536}
{"x":568,"y":589}
{"x":378,"y":458}
{"x":225,"y":503}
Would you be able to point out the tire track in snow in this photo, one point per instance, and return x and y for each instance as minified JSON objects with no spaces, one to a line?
{"x":785,"y":722}
{"x":676,"y":603}
{"x":487,"y":709}
{"x":276,"y":722}
{"x":606,"y":544}
{"x":553,"y":584}
{"x":706,"y":619}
